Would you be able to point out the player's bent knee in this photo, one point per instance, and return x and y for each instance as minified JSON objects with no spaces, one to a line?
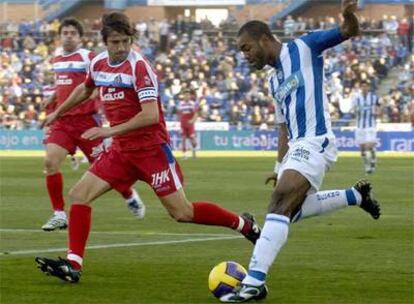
{"x":282,"y":202}
{"x":182,"y":216}
{"x":78,"y":196}
{"x":51,"y":166}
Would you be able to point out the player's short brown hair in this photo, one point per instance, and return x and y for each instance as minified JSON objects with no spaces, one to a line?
{"x":116,"y":22}
{"x":72,"y":22}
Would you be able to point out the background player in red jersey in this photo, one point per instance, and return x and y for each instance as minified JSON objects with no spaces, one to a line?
{"x":70,"y":66}
{"x":140,"y":149}
{"x":187,"y":112}
{"x":49,"y":106}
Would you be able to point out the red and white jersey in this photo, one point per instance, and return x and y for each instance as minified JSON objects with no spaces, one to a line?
{"x":123,"y":88}
{"x":70,"y":71}
{"x":49,"y":90}
{"x":187,"y":110}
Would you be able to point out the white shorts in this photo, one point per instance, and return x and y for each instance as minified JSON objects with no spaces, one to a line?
{"x":365,"y":136}
{"x":311,"y":157}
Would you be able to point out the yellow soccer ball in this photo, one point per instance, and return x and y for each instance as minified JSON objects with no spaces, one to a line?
{"x":224,"y":277}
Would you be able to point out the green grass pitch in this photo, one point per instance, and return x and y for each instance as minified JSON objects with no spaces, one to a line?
{"x":345,"y":257}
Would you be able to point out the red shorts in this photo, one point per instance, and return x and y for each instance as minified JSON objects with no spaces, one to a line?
{"x":67,"y":131}
{"x":156,"y":166}
{"x":187,"y":130}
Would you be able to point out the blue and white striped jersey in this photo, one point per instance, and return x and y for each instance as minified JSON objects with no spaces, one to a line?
{"x":365,"y":109}
{"x":297,"y":84}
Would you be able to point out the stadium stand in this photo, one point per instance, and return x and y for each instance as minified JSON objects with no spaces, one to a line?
{"x":204,"y":58}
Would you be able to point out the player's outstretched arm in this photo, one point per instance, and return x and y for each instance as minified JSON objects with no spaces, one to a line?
{"x":148,"y":116}
{"x":48,"y":101}
{"x":350,"y":25}
{"x":281,"y":152}
{"x":80,"y":94}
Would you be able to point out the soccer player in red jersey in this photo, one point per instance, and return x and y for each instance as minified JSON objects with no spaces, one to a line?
{"x":70,"y":66}
{"x":140,"y":149}
{"x":187,"y":112}
{"x":49,"y":91}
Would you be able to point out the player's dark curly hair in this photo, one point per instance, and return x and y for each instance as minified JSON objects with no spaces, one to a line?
{"x":116,"y":22}
{"x":255,"y":29}
{"x":71,"y":22}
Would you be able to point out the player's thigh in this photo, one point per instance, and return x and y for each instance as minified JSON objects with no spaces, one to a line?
{"x":55,"y":155}
{"x":289,"y":193}
{"x":159,"y":169}
{"x":116,"y":169}
{"x":88,"y":188}
{"x":60,"y":136}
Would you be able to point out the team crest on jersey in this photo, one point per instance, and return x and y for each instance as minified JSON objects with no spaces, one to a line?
{"x":292,"y":83}
{"x":118,"y":79}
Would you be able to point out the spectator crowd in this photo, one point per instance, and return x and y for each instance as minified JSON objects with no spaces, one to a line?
{"x":203,"y":58}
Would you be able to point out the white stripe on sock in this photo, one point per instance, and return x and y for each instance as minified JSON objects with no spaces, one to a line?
{"x":75,"y":258}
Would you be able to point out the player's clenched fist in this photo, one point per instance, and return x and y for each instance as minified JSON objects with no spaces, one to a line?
{"x":49,"y":119}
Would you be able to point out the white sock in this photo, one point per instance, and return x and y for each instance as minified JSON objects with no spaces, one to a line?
{"x":272,"y":238}
{"x":134,"y":196}
{"x":59,"y":213}
{"x":327,"y":201}
{"x":367,"y":162}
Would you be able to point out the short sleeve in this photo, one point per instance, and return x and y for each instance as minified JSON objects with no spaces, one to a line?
{"x":145,"y":82}
{"x":89,"y":81}
{"x":319,"y":41}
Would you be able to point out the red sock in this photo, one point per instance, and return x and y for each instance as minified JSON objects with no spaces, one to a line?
{"x":79,"y":227}
{"x":211,"y":214}
{"x":54,"y":185}
{"x":127,"y":194}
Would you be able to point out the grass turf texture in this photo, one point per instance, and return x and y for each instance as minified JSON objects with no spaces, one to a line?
{"x":345,"y":257}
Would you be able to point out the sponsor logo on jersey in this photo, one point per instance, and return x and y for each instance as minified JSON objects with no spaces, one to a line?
{"x":112,"y":95}
{"x":293,"y":82}
{"x":66,"y":81}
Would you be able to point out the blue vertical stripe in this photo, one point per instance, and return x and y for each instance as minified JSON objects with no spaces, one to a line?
{"x":317,"y":68}
{"x":370,"y":112}
{"x":168,"y":153}
{"x":279,"y":67}
{"x":300,"y":91}
{"x":364,"y":112}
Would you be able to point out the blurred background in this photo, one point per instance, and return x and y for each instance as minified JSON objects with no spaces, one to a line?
{"x":192,"y":45}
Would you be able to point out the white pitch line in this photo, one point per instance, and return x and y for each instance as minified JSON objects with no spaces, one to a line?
{"x":120,"y":245}
{"x":118,"y":232}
